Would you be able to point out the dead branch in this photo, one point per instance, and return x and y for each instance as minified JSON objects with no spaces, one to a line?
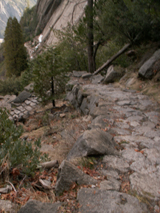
{"x":11,"y":185}
{"x":21,"y":182}
{"x":45,"y":184}
{"x":50,"y":164}
{"x":107,"y":64}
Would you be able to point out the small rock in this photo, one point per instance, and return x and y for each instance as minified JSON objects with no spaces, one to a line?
{"x":86,"y":76}
{"x":5,"y":190}
{"x":110,"y":174}
{"x":97,"y":79}
{"x":79,"y":74}
{"x":111,"y":184}
{"x":62,"y":115}
{"x":29,"y":87}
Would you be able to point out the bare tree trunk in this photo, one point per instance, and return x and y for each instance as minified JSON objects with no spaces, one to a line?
{"x":52,"y":87}
{"x":91,"y":62}
{"x":107,"y":64}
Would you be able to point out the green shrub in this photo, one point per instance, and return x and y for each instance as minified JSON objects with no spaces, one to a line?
{"x":14,"y":85}
{"x":11,"y":85}
{"x":88,"y":162}
{"x":15,"y":151}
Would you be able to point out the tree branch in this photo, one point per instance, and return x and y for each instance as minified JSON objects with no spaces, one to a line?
{"x":107,"y":64}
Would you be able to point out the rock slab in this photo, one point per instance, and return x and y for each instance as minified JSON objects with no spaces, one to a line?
{"x":33,"y":206}
{"x":100,"y":201}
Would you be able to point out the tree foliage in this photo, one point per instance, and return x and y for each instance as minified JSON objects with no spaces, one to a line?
{"x":28,"y":23}
{"x":129,"y":20}
{"x":14,"y":50}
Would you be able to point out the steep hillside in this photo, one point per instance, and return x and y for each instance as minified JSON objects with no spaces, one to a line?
{"x":12,"y":8}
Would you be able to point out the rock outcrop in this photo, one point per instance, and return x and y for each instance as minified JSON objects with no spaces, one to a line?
{"x":44,"y":11}
{"x":55,"y":15}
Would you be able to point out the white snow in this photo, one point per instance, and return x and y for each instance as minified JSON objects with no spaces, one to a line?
{"x":40,"y":38}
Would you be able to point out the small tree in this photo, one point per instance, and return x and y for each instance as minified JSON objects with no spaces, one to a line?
{"x":48,"y":72}
{"x":14,"y":50}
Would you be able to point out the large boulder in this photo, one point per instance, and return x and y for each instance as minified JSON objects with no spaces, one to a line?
{"x":33,"y":206}
{"x":100,"y":201}
{"x":147,"y":69}
{"x":93,"y":142}
{"x":69,"y":174}
{"x":112,"y":75}
{"x":22,"y":97}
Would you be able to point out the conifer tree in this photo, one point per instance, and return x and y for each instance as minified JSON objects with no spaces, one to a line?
{"x":14,"y":50}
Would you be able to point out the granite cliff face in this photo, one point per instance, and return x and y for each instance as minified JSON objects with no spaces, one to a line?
{"x":56,"y":14}
{"x":13,"y":8}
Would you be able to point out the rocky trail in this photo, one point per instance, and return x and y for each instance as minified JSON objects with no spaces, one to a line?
{"x":107,"y":146}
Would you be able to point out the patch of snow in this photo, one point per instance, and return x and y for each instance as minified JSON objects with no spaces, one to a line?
{"x":40,"y":38}
{"x":36,"y":47}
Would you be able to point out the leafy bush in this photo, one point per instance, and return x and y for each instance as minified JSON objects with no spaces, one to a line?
{"x":11,"y":85}
{"x":14,"y":85}
{"x":15,"y":151}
